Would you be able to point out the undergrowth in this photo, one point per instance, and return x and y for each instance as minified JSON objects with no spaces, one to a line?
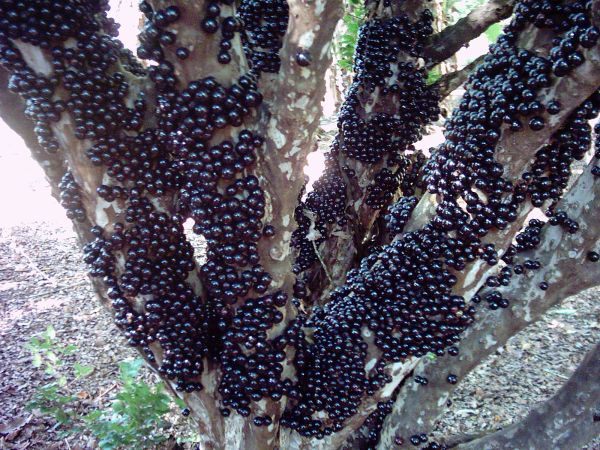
{"x":135,"y":416}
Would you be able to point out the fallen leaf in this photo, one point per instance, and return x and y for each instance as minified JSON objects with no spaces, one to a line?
{"x":83,"y":395}
{"x":14,"y":426}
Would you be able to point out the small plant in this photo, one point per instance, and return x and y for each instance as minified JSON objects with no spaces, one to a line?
{"x":135,"y":418}
{"x":345,"y":44}
{"x":50,"y":398}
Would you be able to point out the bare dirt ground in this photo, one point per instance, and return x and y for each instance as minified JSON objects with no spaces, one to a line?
{"x":43,"y":281}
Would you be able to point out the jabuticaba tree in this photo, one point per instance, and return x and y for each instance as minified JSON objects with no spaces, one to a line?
{"x":385,"y":109}
{"x":308,"y":322}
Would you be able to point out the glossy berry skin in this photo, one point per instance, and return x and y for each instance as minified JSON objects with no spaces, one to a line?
{"x":403,"y":294}
{"x":182,"y":53}
{"x":415,"y":440}
{"x":71,"y":198}
{"x":536,"y":123}
{"x":209,"y":25}
{"x":553,"y":107}
{"x":303,"y":58}
{"x":224,"y":58}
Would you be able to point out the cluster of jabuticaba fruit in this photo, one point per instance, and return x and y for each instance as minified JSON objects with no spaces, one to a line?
{"x":401,"y":294}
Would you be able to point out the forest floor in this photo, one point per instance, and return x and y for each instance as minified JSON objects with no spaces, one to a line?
{"x":43,"y":282}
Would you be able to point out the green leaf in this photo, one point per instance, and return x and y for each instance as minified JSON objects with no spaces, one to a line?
{"x":353,"y":26}
{"x":34,"y":343}
{"x":69,"y":349}
{"x":92,"y":416}
{"x":50,"y":333}
{"x":52,"y":357}
{"x":130,"y":368}
{"x":37,"y":360}
{"x":82,"y":371}
{"x":179,"y":402}
{"x":433,"y":75}
{"x":493,"y":32}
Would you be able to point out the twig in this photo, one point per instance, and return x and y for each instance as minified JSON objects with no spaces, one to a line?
{"x":102,"y":394}
{"x":19,"y":250}
{"x":451,"y":81}
{"x":322,"y":263}
{"x":556,"y":374}
{"x":458,"y":439}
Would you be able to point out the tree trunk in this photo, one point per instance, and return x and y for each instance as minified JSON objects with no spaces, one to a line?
{"x":570,"y":419}
{"x":291,"y":333}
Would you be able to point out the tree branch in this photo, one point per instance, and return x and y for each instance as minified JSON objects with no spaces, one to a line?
{"x":12,"y":112}
{"x":567,"y":420}
{"x":74,"y":145}
{"x":448,"y":41}
{"x":293,"y":109}
{"x":451,"y":81}
{"x":565,"y":266}
{"x":341,"y":240}
{"x":514,"y":151}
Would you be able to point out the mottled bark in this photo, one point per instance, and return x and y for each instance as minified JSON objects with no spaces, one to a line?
{"x":344,"y":244}
{"x":515,"y":151}
{"x":54,"y":166}
{"x":287,"y":119}
{"x":448,"y":41}
{"x":567,"y":420}
{"x":294,"y":97}
{"x":565,"y":268}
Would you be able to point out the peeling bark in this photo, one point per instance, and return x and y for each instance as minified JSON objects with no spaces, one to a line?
{"x":514,"y":151}
{"x":294,"y":97}
{"x":288,"y":136}
{"x":344,"y":244}
{"x":288,"y":119}
{"x":564,"y":266}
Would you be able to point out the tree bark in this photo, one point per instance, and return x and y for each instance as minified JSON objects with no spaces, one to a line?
{"x":515,"y":151}
{"x":567,"y":420}
{"x":289,"y":129}
{"x":287,"y":118}
{"x":344,"y":243}
{"x":448,"y":41}
{"x":451,"y":81}
{"x":565,"y":267}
